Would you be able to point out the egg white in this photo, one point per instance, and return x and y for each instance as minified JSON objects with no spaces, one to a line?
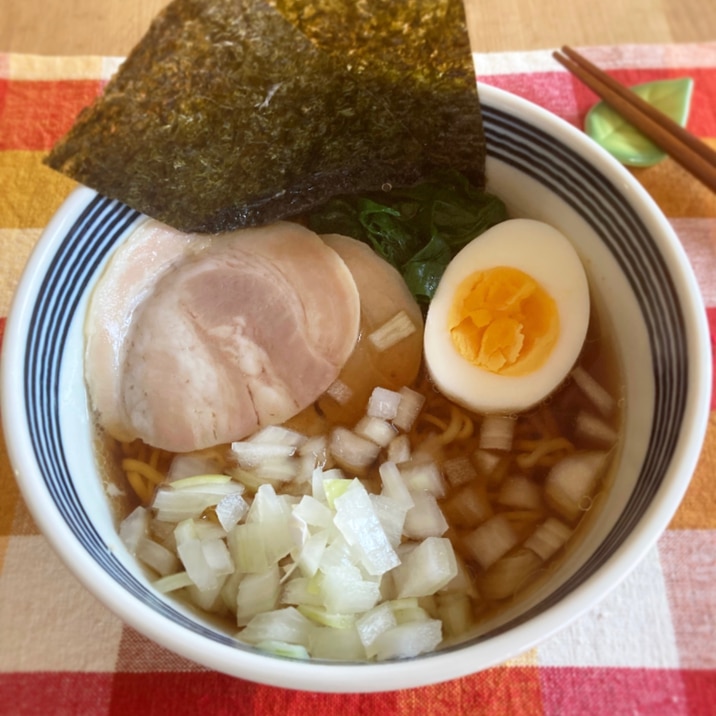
{"x":545,"y":254}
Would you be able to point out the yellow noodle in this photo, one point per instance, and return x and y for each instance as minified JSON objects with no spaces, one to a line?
{"x":144,"y":469}
{"x":139,"y":486}
{"x":453,"y":429}
{"x":467,"y":429}
{"x":433,"y":420}
{"x":541,"y":449}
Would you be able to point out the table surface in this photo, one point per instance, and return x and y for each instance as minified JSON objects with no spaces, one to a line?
{"x":646,"y":649}
{"x":111,"y":27}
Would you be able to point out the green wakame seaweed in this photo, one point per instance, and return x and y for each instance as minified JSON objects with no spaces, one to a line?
{"x":230,"y":113}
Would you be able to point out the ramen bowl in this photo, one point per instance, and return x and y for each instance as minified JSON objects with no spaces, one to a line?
{"x":640,"y":280}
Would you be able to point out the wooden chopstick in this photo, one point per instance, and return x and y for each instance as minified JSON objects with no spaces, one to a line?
{"x":685,"y":148}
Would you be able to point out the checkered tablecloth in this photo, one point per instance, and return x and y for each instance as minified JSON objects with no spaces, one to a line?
{"x":649,"y":648}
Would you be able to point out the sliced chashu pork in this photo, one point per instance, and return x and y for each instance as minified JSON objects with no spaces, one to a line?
{"x":239,"y":331}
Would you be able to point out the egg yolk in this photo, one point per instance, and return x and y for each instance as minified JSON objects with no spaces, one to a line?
{"x":503,"y":321}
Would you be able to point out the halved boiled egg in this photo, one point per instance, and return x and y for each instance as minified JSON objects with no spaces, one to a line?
{"x":509,"y":317}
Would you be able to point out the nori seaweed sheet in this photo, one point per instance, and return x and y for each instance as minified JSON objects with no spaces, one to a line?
{"x":227,"y":114}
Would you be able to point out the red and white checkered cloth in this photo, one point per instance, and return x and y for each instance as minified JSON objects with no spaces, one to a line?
{"x":649,"y":648}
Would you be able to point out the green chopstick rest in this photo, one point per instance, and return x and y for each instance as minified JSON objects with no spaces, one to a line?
{"x":621,"y":139}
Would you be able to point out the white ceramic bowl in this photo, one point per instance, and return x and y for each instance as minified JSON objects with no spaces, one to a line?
{"x":544,"y":169}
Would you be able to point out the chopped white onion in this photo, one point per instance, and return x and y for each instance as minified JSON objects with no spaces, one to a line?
{"x":230,"y":510}
{"x":572,"y":482}
{"x":253,"y":454}
{"x":372,"y":623}
{"x":286,"y":624}
{"x":394,"y":485}
{"x":278,"y":435}
{"x":597,"y":431}
{"x":352,"y":451}
{"x":423,"y":475}
{"x":376,"y":430}
{"x":383,"y":403}
{"x":459,"y":470}
{"x":491,"y":540}
{"x":599,"y":396}
{"x":469,"y":506}
{"x":340,"y":392}
{"x":399,"y":449}
{"x":411,"y":403}
{"x":158,"y":557}
{"x":346,"y":591}
{"x":190,"y":464}
{"x":393,"y":331}
{"x":409,"y":639}
{"x":336,"y":644}
{"x":359,"y":524}
{"x":425,"y":518}
{"x":548,"y":537}
{"x":134,"y":528}
{"x":258,"y":592}
{"x":496,"y":432}
{"x":520,"y":492}
{"x":505,"y":577}
{"x":391,"y":515}
{"x":427,"y":569}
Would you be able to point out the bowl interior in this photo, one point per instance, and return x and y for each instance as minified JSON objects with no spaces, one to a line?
{"x":544,"y":169}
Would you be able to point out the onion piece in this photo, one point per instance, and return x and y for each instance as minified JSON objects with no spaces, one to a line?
{"x":409,"y":639}
{"x":423,"y":475}
{"x":190,"y":464}
{"x":336,"y":644}
{"x":278,"y":435}
{"x":383,"y":403}
{"x":598,"y":395}
{"x":459,"y":470}
{"x":376,"y":430}
{"x":172,"y":582}
{"x":425,"y":518}
{"x":279,"y":625}
{"x":359,"y":524}
{"x":253,"y":454}
{"x":393,"y":331}
{"x":411,"y":403}
{"x":340,"y":392}
{"x":486,"y":461}
{"x":344,"y":590}
{"x":158,"y":557}
{"x":572,"y":482}
{"x":351,"y":451}
{"x":134,"y":528}
{"x":491,"y":540}
{"x":257,"y":593}
{"x":506,"y":576}
{"x":548,"y":537}
{"x":597,"y":431}
{"x":428,"y":568}
{"x":520,"y":492}
{"x":284,"y":649}
{"x":393,"y":484}
{"x":497,"y":432}
{"x":257,"y":546}
{"x":322,"y":616}
{"x":399,"y":449}
{"x":391,"y":515}
{"x":373,"y":623}
{"x":455,"y":613}
{"x":192,"y":555}
{"x":468,"y":507}
{"x":230,"y":510}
